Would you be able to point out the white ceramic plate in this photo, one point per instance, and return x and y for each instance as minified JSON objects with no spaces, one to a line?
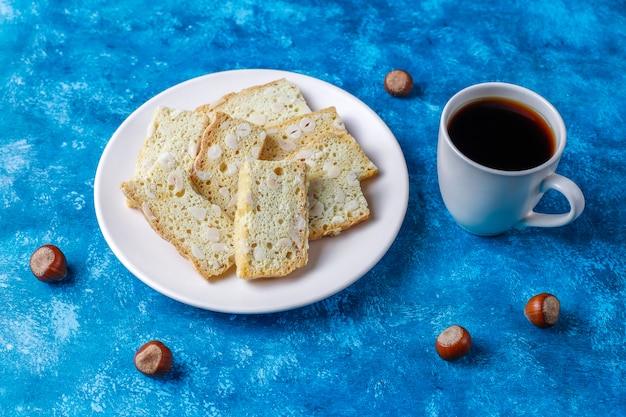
{"x":334,"y":262}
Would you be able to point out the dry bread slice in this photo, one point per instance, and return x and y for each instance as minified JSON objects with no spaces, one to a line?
{"x":175,"y":131}
{"x":199,"y":230}
{"x":286,"y":140}
{"x":336,"y":201}
{"x":225,"y":145}
{"x":264,"y":105}
{"x":271,"y":221}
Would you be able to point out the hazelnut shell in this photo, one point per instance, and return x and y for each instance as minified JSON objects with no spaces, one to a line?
{"x":453,"y":343}
{"x":153,"y":359}
{"x":48,"y":264}
{"x":542,"y":310}
{"x":398,"y":83}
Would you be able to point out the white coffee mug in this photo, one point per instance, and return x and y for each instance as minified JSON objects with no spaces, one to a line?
{"x":487,"y":201}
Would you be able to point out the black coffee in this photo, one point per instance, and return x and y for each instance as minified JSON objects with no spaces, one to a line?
{"x":502,"y":134}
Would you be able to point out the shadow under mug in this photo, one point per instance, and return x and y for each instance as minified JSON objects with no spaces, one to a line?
{"x":487,"y":201}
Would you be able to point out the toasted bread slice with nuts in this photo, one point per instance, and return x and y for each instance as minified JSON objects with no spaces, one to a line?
{"x":264,"y":105}
{"x":271,"y":221}
{"x":286,"y":140}
{"x":225,"y":145}
{"x":175,"y":131}
{"x":199,"y":230}
{"x":336,"y":201}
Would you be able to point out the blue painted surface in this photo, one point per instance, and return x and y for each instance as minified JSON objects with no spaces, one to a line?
{"x":71,"y":72}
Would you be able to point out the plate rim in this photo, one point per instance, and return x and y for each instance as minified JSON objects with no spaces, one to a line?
{"x":289,"y":305}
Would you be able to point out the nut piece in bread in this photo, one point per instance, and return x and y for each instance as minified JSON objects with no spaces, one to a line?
{"x":271,"y":221}
{"x":199,"y":230}
{"x":225,"y":145}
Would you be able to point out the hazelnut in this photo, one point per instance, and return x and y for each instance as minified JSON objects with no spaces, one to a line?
{"x":398,"y":83}
{"x":153,"y":359}
{"x":453,"y":343}
{"x":543,"y":310}
{"x":48,"y":264}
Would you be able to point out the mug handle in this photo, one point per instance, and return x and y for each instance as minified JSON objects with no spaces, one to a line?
{"x":572,"y":193}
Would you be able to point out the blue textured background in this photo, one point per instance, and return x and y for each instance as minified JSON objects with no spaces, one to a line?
{"x":72,"y":71}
